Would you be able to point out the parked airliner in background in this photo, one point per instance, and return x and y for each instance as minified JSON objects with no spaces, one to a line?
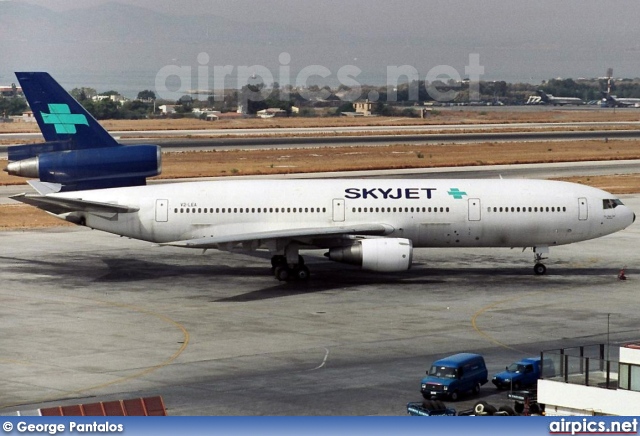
{"x":86,"y":177}
{"x":558,"y":101}
{"x":613,"y":101}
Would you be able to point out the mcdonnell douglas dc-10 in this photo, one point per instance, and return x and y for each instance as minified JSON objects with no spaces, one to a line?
{"x":86,"y":177}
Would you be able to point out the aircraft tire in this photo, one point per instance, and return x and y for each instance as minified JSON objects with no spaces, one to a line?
{"x":303,"y":273}
{"x":539,"y":269}
{"x":283,"y":273}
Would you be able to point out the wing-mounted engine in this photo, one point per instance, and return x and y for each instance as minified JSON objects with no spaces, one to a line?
{"x":380,"y":254}
{"x":89,"y":168}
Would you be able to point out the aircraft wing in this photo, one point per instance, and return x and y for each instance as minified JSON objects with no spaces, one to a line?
{"x":312,"y":232}
{"x":58,"y":205}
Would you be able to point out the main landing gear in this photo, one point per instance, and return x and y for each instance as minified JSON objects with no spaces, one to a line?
{"x":539,"y":268}
{"x":286,"y":272}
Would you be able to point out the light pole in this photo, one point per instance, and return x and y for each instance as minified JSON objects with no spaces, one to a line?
{"x":608,"y":316}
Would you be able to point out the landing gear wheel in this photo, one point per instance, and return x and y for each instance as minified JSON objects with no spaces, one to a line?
{"x":277,"y":261}
{"x":282,"y":273}
{"x":303,"y":273}
{"x":539,"y":269}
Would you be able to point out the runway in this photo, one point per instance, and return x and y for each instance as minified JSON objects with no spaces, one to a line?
{"x":226,"y":139}
{"x":87,"y":316}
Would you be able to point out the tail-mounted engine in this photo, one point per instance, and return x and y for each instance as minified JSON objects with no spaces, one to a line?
{"x":88,"y":168}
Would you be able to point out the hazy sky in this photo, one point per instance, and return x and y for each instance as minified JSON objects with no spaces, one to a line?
{"x":517,"y":40}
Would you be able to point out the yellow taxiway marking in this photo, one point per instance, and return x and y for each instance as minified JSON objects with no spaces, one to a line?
{"x":174,"y":356}
{"x":474,"y":320}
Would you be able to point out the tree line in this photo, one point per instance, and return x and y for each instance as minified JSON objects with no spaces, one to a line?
{"x":256,"y":97}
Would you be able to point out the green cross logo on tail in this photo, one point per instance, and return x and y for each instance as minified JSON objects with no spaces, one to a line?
{"x":456,"y":193}
{"x":62,"y":118}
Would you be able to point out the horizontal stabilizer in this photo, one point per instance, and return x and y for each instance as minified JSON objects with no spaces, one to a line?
{"x":319,"y":232}
{"x":44,"y":188}
{"x":59,"y":205}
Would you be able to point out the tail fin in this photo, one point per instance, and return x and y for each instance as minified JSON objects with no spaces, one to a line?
{"x":543,"y":95}
{"x":59,"y":115}
{"x":78,"y":153}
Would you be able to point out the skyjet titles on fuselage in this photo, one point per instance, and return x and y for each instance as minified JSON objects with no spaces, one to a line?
{"x":388,"y":193}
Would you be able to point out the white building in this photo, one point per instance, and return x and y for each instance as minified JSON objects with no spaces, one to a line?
{"x":207,"y":114}
{"x":588,"y":383}
{"x":167,"y":109}
{"x":272,"y":112}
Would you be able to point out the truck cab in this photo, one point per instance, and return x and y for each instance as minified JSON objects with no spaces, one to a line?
{"x":454,"y":375}
{"x":523,"y":373}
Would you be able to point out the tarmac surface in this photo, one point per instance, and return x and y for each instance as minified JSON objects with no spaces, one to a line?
{"x":87,"y":316}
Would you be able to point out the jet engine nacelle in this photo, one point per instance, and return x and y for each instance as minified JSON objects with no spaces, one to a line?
{"x":93,"y":167}
{"x":383,"y":254}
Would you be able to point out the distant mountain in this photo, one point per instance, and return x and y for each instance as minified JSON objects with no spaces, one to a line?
{"x":114,"y":39}
{"x":116,"y":22}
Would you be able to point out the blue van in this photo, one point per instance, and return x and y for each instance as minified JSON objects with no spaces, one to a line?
{"x":453,"y":375}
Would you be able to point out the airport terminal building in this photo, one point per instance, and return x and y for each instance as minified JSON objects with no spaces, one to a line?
{"x":588,"y":382}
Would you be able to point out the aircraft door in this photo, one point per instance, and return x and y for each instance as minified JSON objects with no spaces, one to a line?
{"x":338,"y":209}
{"x":583,"y":209}
{"x":162,"y":211}
{"x":474,"y":209}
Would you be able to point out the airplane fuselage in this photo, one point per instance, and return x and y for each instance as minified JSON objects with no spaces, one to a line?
{"x":431,"y":213}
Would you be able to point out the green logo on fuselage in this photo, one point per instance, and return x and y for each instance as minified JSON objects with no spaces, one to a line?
{"x":456,"y":193}
{"x":61,"y":117}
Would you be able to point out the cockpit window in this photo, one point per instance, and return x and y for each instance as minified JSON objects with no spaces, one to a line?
{"x":611,"y":203}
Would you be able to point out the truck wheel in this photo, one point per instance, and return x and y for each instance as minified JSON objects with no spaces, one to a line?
{"x":476,"y":389}
{"x":518,"y":407}
{"x":454,"y":396}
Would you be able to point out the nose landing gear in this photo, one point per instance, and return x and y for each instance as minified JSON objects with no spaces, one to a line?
{"x":539,"y":268}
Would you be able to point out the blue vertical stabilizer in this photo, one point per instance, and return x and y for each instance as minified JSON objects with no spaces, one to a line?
{"x":79,"y":153}
{"x":59,"y":115}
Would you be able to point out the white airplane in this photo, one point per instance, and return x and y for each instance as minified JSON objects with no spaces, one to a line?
{"x":85,"y":177}
{"x":615,"y":101}
{"x":558,"y":101}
